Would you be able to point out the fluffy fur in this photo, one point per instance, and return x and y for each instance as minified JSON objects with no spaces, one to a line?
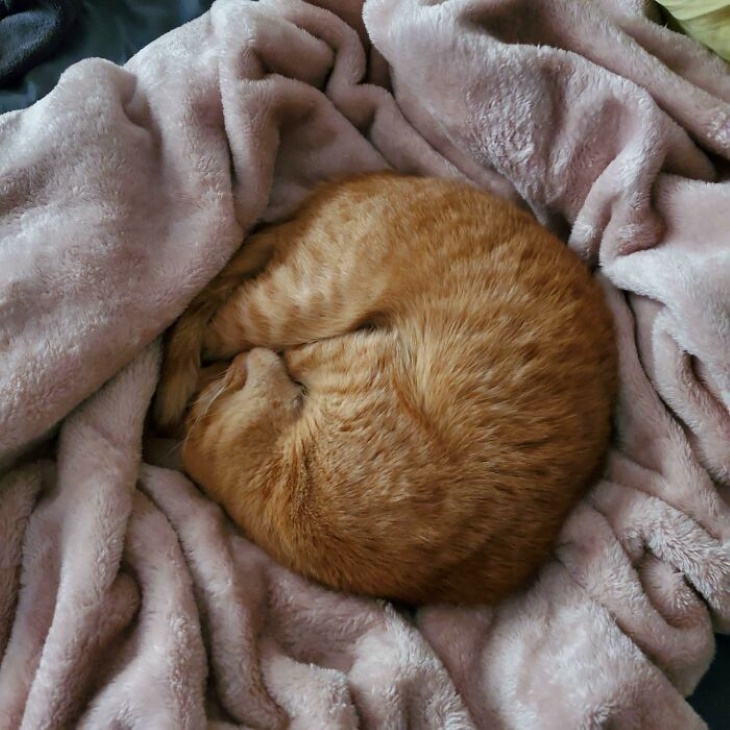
{"x":420,"y":389}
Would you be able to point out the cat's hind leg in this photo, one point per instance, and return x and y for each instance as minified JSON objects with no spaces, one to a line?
{"x":315,"y":287}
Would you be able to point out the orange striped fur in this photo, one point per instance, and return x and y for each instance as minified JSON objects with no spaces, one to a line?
{"x":411,"y":386}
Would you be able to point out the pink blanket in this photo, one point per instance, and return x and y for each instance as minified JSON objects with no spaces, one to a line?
{"x":126,"y":599}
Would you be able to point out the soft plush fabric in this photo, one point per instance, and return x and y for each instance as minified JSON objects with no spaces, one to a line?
{"x":30,"y":30}
{"x":126,"y":598}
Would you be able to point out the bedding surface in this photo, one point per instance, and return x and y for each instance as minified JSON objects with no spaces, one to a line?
{"x":126,"y":597}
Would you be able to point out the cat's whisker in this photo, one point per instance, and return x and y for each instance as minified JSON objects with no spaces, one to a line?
{"x":207,"y":400}
{"x":175,"y":447}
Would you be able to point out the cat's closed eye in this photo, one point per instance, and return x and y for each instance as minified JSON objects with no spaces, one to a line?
{"x":366,"y":326}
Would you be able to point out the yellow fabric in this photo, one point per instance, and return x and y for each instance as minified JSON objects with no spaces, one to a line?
{"x":707,"y":21}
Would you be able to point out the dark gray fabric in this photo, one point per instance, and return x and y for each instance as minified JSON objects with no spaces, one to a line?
{"x":30,"y":30}
{"x":711,"y":699}
{"x":111,"y":29}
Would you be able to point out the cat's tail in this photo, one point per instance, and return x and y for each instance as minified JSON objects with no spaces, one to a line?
{"x":183,"y":344}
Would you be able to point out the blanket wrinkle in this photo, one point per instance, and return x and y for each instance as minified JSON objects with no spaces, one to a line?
{"x":105,"y":435}
{"x":18,"y":492}
{"x":230,"y":618}
{"x":126,"y":596}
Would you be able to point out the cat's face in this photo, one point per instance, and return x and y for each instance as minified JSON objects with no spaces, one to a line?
{"x":263,"y":395}
{"x":254,"y":391}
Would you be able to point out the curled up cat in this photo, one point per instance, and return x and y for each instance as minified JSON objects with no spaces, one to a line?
{"x":401,"y":391}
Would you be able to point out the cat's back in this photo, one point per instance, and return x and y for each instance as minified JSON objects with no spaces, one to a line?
{"x":459,"y":404}
{"x":505,"y":341}
{"x":506,"y":335}
{"x":430,"y":234}
{"x":503,"y":359}
{"x":487,"y":300}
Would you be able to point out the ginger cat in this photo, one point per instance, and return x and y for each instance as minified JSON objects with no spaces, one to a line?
{"x":420,"y":389}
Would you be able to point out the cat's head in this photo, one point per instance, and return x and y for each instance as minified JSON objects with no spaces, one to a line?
{"x":344,"y":389}
{"x":245,"y":399}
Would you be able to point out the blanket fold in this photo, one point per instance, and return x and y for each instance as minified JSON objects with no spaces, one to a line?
{"x":126,"y":597}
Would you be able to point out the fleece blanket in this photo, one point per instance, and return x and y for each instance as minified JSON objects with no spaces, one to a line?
{"x":126,"y":597}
